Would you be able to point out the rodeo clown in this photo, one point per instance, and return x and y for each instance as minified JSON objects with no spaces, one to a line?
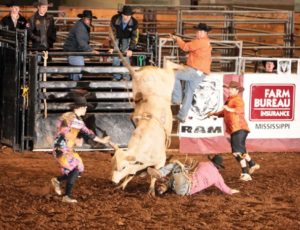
{"x":237,"y":127}
{"x":188,"y":180}
{"x":70,"y":126}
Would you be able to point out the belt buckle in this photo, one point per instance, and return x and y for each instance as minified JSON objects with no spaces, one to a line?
{"x":199,"y":72}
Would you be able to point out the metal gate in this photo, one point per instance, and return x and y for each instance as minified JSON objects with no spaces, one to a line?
{"x":12,"y":77}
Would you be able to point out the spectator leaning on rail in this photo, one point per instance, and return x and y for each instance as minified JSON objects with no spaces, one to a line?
{"x":41,"y":28}
{"x":78,"y":41}
{"x":237,"y":127}
{"x":125,"y":29}
{"x":184,"y":181}
{"x":71,"y":125}
{"x":198,"y":67}
{"x":14,"y":20}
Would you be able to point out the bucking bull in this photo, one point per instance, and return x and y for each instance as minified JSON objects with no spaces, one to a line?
{"x":152,"y":91}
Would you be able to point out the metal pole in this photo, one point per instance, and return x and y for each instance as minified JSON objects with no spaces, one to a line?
{"x":24,"y":85}
{"x":17,"y":93}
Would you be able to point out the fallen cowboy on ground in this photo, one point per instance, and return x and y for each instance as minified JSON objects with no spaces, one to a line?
{"x":188,"y":180}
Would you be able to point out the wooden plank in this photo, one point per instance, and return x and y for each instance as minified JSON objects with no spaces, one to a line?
{"x":86,"y":84}
{"x":107,"y":106}
{"x":97,"y":95}
{"x":69,"y":69}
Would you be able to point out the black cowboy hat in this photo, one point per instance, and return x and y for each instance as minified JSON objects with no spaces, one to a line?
{"x":42,"y":3}
{"x":12,"y":3}
{"x":80,"y":101}
{"x":126,"y":10}
{"x":234,"y":84}
{"x":202,"y":26}
{"x":274,"y":62}
{"x":87,"y":14}
{"x":217,"y":160}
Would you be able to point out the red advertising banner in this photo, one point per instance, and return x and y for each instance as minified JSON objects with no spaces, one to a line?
{"x":272,"y":102}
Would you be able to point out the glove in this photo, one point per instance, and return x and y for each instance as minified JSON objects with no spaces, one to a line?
{"x":233,"y":191}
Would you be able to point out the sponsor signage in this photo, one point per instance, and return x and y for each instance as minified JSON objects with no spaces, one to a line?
{"x":272,"y":102}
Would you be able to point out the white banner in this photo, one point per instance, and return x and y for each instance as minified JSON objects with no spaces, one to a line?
{"x":208,"y":97}
{"x":272,"y":107}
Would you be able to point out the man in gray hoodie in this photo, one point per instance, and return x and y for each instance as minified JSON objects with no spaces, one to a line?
{"x":78,"y":41}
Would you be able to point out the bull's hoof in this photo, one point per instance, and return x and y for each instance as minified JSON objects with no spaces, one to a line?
{"x":151,"y":193}
{"x":143,"y":174}
{"x":119,"y":187}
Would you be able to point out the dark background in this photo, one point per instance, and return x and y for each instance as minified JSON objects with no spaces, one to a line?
{"x":30,"y":3}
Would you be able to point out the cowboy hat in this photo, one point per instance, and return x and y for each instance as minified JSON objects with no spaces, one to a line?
{"x":80,"y":101}
{"x":234,"y":84}
{"x":202,"y":26}
{"x":217,"y":160}
{"x":274,"y":62}
{"x":87,"y":14}
{"x":126,"y":10}
{"x":13,"y":3}
{"x":42,"y":3}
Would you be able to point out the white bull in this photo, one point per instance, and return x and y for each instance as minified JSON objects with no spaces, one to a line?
{"x":152,"y":90}
{"x":146,"y":148}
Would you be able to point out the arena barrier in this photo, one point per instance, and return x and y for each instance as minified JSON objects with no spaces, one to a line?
{"x":30,"y":107}
{"x":51,"y":94}
{"x":13,"y":90}
{"x":33,"y":93}
{"x":227,"y":51}
{"x":272,"y":110}
{"x":264,"y":32}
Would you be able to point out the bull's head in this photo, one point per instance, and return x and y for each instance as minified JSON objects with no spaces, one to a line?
{"x":122,"y":163}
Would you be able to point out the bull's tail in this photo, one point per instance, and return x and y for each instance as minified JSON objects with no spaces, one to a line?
{"x":124,"y":61}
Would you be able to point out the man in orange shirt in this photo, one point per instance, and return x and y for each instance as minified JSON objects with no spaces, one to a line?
{"x":198,"y":67}
{"x":237,"y":127}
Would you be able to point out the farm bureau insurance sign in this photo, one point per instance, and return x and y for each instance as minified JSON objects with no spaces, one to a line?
{"x":272,"y":107}
{"x":272,"y":102}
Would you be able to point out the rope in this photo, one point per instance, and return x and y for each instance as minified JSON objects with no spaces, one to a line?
{"x":125,"y":63}
{"x":128,"y":93}
{"x":25,"y":95}
{"x":173,"y":51}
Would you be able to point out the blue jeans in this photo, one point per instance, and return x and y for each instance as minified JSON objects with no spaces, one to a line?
{"x":238,"y":141}
{"x":123,"y":46}
{"x":178,"y":182}
{"x":76,"y":61}
{"x":117,"y":62}
{"x":192,"y":79}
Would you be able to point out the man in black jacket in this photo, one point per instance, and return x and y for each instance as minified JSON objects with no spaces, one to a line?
{"x":41,"y":28}
{"x":125,"y":29}
{"x":78,"y":41}
{"x":14,"y":20}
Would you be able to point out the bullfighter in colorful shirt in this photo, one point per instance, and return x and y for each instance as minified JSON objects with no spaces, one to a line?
{"x":237,"y":127}
{"x":70,"y":126}
{"x":185,"y":180}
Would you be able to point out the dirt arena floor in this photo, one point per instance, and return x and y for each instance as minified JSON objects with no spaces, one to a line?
{"x":270,"y":201}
